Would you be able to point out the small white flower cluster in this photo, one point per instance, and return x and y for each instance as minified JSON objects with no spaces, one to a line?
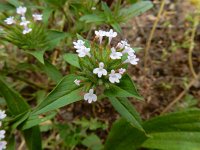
{"x":116,"y":53}
{"x":81,"y":49}
{"x":23,"y":22}
{"x":3,"y":143}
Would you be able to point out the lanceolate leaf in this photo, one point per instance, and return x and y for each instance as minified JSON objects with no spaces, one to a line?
{"x":188,"y":120}
{"x":125,"y":88}
{"x":127,"y":111}
{"x":72,"y":59}
{"x":124,"y":136}
{"x":51,"y":71}
{"x":65,"y":92}
{"x":173,"y":141}
{"x":135,"y":9}
{"x":15,"y":102}
{"x":38,"y":55}
{"x":18,"y":107}
{"x":33,"y":138}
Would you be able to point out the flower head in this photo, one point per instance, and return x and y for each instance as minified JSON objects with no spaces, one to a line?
{"x":100,"y":71}
{"x":122,"y":71}
{"x":100,"y":34}
{"x":37,"y":17}
{"x":2,"y":114}
{"x":77,"y":82}
{"x":21,"y":10}
{"x":10,"y":20}
{"x":24,"y":22}
{"x":3,"y":145}
{"x":128,"y":50}
{"x":90,"y":97}
{"x":78,"y":44}
{"x":2,"y":134}
{"x":26,"y":30}
{"x":83,"y":51}
{"x":132,"y":60}
{"x":122,"y":44}
{"x":114,"y":54}
{"x":114,"y":77}
{"x":111,"y":34}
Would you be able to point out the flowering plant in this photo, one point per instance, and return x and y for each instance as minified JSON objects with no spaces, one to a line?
{"x":101,"y":63}
{"x":29,"y":33}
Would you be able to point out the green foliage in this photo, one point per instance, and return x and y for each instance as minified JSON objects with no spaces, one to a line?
{"x":19,"y":108}
{"x":174,"y":131}
{"x":124,"y":136}
{"x":77,"y":133}
{"x":126,"y":88}
{"x":93,"y":142}
{"x":16,"y":104}
{"x":72,"y":59}
{"x":64,"y":93}
{"x":125,"y":108}
{"x":114,"y":18}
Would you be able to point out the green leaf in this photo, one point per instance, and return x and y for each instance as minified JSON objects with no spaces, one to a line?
{"x":15,"y":3}
{"x":135,"y":9}
{"x":35,"y":120}
{"x":127,"y":111}
{"x":93,"y":142}
{"x":51,"y":71}
{"x":46,"y":15}
{"x":56,"y":3}
{"x":173,"y":141}
{"x":15,"y":103}
{"x":66,"y":92}
{"x":92,"y":18}
{"x":117,"y":27}
{"x":38,"y":55}
{"x":125,"y":88}
{"x":72,"y":59}
{"x":33,"y":138}
{"x":11,"y":142}
{"x":124,"y":137}
{"x":5,"y":7}
{"x":188,"y":120}
{"x":54,"y":38}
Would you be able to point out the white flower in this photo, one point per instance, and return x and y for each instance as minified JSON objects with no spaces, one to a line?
{"x":37,"y":17}
{"x":100,"y":34}
{"x":83,"y":51}
{"x":21,"y":10}
{"x":24,"y":22}
{"x":128,"y":50}
{"x":122,"y":44}
{"x":77,"y":82}
{"x":78,"y":44}
{"x":100,"y":71}
{"x":93,"y":8}
{"x":114,"y":54}
{"x":90,"y":97}
{"x":114,"y":77}
{"x":2,"y":134}
{"x":122,"y":71}
{"x":10,"y":20}
{"x":132,"y":59}
{"x":2,"y":114}
{"x":3,"y":145}
{"x":110,"y":34}
{"x":26,"y":30}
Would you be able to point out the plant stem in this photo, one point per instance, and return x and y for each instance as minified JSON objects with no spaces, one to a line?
{"x":152,"y":33}
{"x":196,"y":21}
